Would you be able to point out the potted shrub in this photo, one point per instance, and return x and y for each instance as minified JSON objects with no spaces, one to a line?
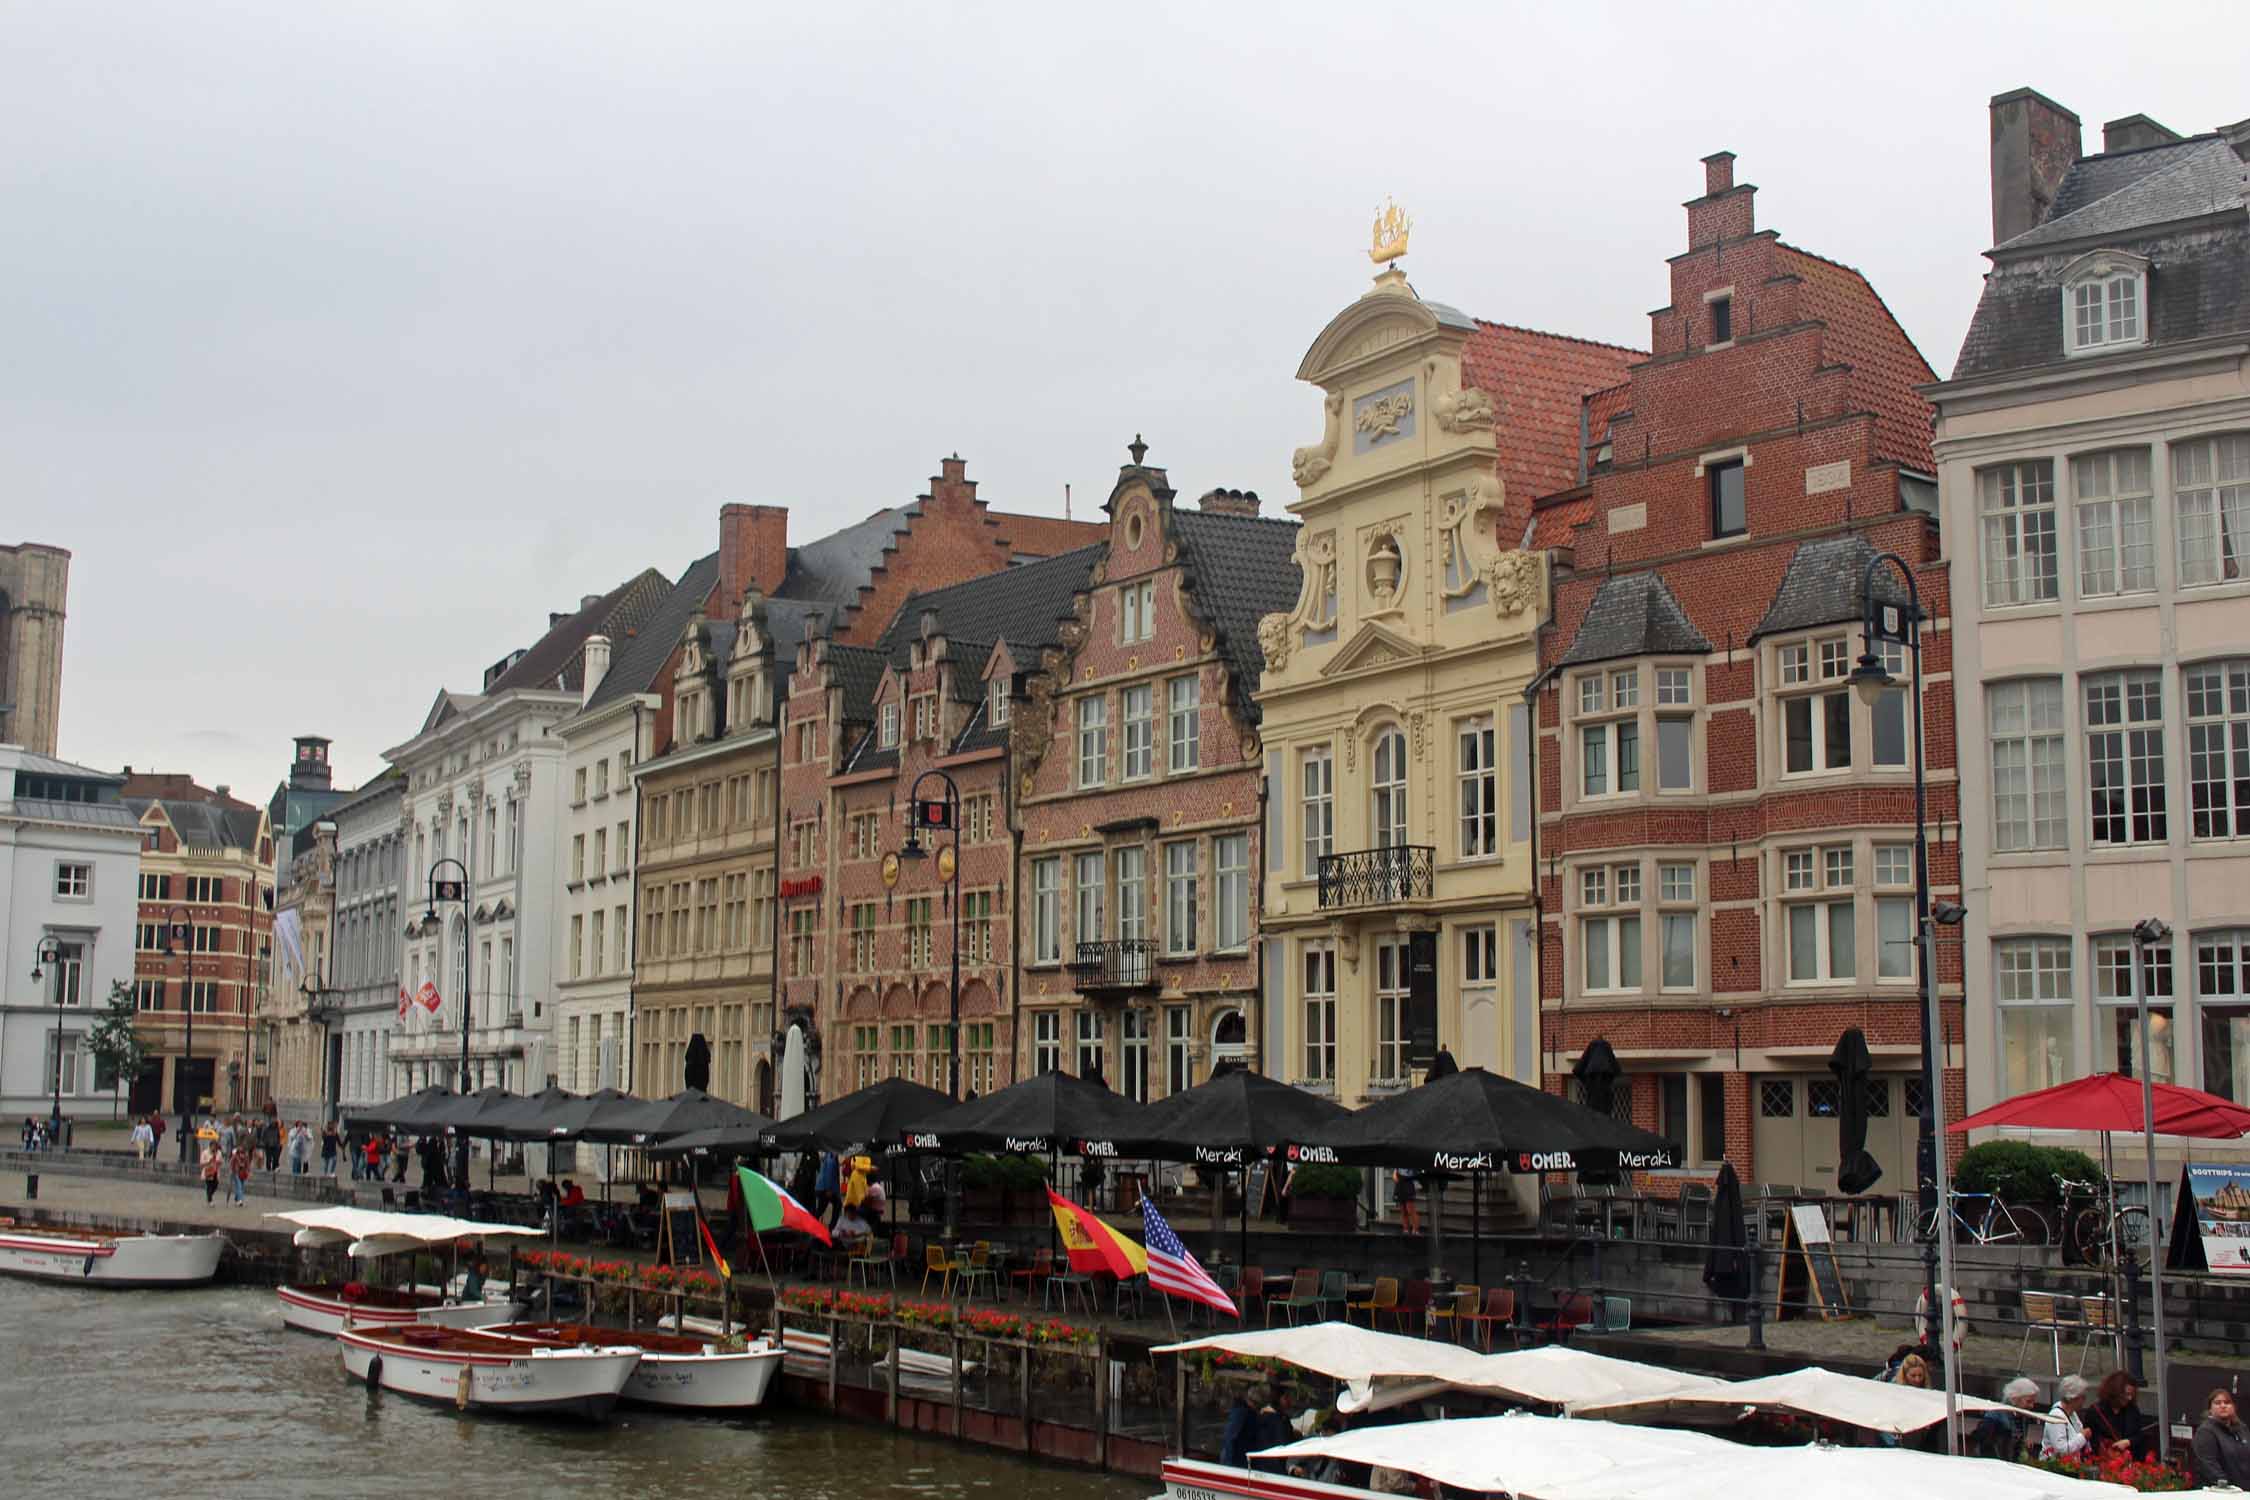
{"x":983,"y":1185}
{"x":1324,"y":1197}
{"x":2024,"y":1176}
{"x":1023,"y":1181}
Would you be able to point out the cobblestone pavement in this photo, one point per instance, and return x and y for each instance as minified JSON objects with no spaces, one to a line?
{"x":61,"y":1193}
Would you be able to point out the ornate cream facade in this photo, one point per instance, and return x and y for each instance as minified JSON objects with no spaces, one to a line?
{"x":1398,"y":882}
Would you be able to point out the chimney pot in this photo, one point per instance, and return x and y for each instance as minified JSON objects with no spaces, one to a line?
{"x":753,"y":553}
{"x":597,"y":665}
{"x":1718,"y":172}
{"x":588,"y":601}
{"x":1224,"y":502}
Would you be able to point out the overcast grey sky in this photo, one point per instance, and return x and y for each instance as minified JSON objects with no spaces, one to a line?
{"x":344,"y":343}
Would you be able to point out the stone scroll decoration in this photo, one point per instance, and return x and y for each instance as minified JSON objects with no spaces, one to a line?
{"x":1463,"y":409}
{"x":1316,"y":605}
{"x":1311,"y":464}
{"x":1513,"y":581}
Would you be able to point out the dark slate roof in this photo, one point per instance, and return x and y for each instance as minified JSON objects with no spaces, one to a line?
{"x":636,"y":663}
{"x":978,"y":734}
{"x":1822,"y":586}
{"x":858,"y":670}
{"x":834,"y":569}
{"x":47,"y":765}
{"x":785,"y":622}
{"x":1024,"y":606}
{"x":389,"y":782}
{"x":84,"y":814}
{"x":2160,"y":185}
{"x":557,"y":659}
{"x":1240,"y":569}
{"x":204,"y":825}
{"x":1633,"y":615}
{"x":968,"y":659}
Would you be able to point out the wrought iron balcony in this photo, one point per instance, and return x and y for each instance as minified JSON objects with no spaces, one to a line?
{"x":1389,"y":876}
{"x":1115,"y":969}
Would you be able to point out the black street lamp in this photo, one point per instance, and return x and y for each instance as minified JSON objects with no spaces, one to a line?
{"x":50,"y":952}
{"x":321,"y":1013}
{"x":177,"y":929}
{"x":2148,"y":932}
{"x":455,"y":890}
{"x":944,"y":813}
{"x":1901,"y":625}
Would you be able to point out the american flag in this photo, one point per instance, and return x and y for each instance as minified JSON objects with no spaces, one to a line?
{"x":1172,"y":1270}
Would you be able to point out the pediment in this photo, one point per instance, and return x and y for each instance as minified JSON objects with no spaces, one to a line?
{"x":1374,"y":646}
{"x":1387,"y":322}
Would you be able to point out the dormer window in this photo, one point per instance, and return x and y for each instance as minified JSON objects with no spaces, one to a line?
{"x":997,"y":694}
{"x":1139,"y":611}
{"x":887,"y":736}
{"x":2105,"y":298}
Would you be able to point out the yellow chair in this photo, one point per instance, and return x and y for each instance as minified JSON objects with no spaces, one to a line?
{"x":1382,"y":1299}
{"x":935,"y":1263}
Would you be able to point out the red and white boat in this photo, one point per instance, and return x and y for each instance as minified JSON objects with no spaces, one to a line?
{"x":478,"y":1372}
{"x":680,"y":1371}
{"x":330,"y":1307}
{"x":87,"y":1257}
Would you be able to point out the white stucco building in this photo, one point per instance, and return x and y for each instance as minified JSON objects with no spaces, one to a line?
{"x":360,"y":991}
{"x":70,"y":856}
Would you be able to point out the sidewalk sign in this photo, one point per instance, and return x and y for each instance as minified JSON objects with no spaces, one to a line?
{"x":2211,"y":1224}
{"x":677,"y":1243}
{"x":1810,"y":1281}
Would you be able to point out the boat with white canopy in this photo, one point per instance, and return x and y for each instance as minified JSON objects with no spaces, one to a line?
{"x":108,"y":1259}
{"x":370,"y":1234}
{"x":1878,"y":1405}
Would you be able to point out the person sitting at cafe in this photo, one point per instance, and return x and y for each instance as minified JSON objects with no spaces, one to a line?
{"x":2222,"y":1445}
{"x":2115,"y":1421}
{"x":2011,"y":1434}
{"x":573,"y":1196}
{"x":851,"y":1226}
{"x":878,"y":1199}
{"x":2065,"y":1436}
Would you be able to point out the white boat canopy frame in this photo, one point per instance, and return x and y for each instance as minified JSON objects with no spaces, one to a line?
{"x":1812,"y":1392}
{"x":372,"y":1232}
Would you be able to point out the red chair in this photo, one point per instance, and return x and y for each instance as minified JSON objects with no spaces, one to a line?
{"x":1042,"y":1266}
{"x":1499,"y":1311}
{"x":1574,"y":1310}
{"x":1253,"y":1289}
{"x":1413,"y":1310}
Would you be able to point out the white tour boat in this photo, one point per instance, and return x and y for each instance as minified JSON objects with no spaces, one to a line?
{"x":100,"y":1258}
{"x":683,"y":1371}
{"x":476,"y":1371}
{"x":331,"y":1307}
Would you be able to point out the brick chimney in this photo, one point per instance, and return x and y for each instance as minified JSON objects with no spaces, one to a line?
{"x":2034,"y":144}
{"x":1230,"y":502}
{"x":2135,"y":132}
{"x":753,"y":553}
{"x":1725,"y":211}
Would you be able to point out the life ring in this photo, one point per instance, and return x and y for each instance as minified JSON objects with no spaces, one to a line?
{"x":1958,"y":1315}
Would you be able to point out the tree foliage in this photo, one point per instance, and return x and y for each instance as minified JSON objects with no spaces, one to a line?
{"x":116,"y":1043}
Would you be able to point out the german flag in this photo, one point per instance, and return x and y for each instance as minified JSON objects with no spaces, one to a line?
{"x":710,"y":1243}
{"x":1094,"y":1246}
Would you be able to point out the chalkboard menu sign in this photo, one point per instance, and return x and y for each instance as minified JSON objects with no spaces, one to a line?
{"x":1810,"y":1283}
{"x":678,"y":1243}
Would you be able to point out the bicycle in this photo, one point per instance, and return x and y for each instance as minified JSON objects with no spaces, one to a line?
{"x":2000,"y":1222}
{"x":2100,"y":1233}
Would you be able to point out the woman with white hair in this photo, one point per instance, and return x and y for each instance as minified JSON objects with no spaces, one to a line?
{"x":2066,"y":1429}
{"x":2013,"y":1432}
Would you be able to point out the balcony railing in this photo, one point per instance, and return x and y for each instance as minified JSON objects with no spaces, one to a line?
{"x":1120,"y":967}
{"x":1388,"y":876}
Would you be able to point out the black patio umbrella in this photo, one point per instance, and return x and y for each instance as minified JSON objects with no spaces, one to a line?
{"x":567,"y":1119}
{"x":519,"y":1122}
{"x":653,"y":1120}
{"x":1726,"y":1270}
{"x":1856,"y":1169}
{"x":476,"y":1114}
{"x":408,"y":1111}
{"x":877,"y":1116}
{"x":1053,"y":1112}
{"x":1596,"y":1071}
{"x":719,"y":1140}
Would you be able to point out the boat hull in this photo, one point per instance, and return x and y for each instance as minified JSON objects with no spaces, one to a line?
{"x":119,"y":1263}
{"x":717,"y":1381}
{"x":315,"y":1310}
{"x":582,"y":1383}
{"x":1191,"y":1479}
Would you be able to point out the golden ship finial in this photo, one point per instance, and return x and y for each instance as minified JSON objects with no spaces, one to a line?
{"x":1391,"y":228}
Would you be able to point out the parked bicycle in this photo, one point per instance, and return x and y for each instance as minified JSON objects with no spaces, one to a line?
{"x":1988,"y":1219}
{"x":2097,"y":1228}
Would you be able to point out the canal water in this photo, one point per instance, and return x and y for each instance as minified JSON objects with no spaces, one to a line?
{"x":202,"y":1395}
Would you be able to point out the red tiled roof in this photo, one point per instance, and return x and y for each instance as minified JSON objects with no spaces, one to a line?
{"x":1537,"y":382}
{"x":1885,"y":364}
{"x":1554,"y":525}
{"x":1047,"y":536}
{"x":1602,"y":408}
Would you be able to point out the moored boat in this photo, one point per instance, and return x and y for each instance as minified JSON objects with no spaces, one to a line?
{"x":479,"y":1372}
{"x":690,"y":1372}
{"x":98,"y":1258}
{"x":369,"y":1234}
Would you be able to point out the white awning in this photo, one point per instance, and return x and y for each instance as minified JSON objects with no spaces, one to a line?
{"x":372,"y":1232}
{"x":1824,"y":1472}
{"x":1519,"y":1453}
{"x":1812,"y":1392}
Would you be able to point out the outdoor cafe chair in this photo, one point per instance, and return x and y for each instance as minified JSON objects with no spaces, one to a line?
{"x":1066,"y":1283}
{"x":1304,"y":1296}
{"x":870,"y":1258}
{"x":1253,"y":1290}
{"x":1332,"y":1288}
{"x":1499,"y":1311}
{"x":1572,"y":1310}
{"x":1042,"y":1266}
{"x":2097,"y":1318}
{"x":1448,"y":1310}
{"x":1381,"y":1298}
{"x":1413,"y":1310}
{"x":935,"y":1262}
{"x":979,"y":1268}
{"x":2043,"y":1312}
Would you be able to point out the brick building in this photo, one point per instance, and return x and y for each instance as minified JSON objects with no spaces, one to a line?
{"x":722,"y":733}
{"x":1725,"y":832}
{"x":866,"y":964}
{"x":1138,"y":794}
{"x":206,"y":863}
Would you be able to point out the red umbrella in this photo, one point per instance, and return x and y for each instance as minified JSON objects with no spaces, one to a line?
{"x":2111,"y":1101}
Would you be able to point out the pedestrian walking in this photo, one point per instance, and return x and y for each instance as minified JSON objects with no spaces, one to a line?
{"x":401,"y":1153}
{"x":142,"y":1140}
{"x":371,"y":1157}
{"x":156,"y":1132}
{"x":210,"y":1172}
{"x":228,"y":1134}
{"x":328,"y":1150}
{"x":300,"y":1149}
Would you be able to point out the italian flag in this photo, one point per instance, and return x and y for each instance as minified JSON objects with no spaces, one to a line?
{"x":771,"y":1207}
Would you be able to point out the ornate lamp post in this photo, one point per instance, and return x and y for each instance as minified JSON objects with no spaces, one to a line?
{"x":2148,"y":933}
{"x":455,"y":890}
{"x":178,"y":930}
{"x":944,"y":813}
{"x":50,"y":952}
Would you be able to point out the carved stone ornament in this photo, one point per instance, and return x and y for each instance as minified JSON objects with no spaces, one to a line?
{"x":1310,"y":465}
{"x":1464,"y":409}
{"x":1385,"y":564}
{"x":1419,"y":723}
{"x":1513,"y":580}
{"x":1381,"y":419}
{"x":523,"y":775}
{"x":1273,"y":640}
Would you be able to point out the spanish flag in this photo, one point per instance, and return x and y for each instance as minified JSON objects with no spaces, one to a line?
{"x":1092,"y":1244}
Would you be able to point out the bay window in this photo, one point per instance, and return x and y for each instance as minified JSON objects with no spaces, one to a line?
{"x":1816,"y":706}
{"x":1609,"y":749}
{"x":1675,"y":729}
{"x":1609,"y":898}
{"x":1820,"y":915}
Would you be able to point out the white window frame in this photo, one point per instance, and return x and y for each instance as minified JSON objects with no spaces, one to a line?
{"x":1183,"y":697}
{"x":1130,"y":864}
{"x":887,"y":736}
{"x":2217,"y":696}
{"x":1480,"y":955}
{"x":1812,"y":672}
{"x":2211,"y":508}
{"x":1137,"y":711}
{"x":1819,"y":879}
{"x":1678,"y":910}
{"x":1093,"y":740}
{"x":1317,"y":799}
{"x":1046,"y":909}
{"x":2110,"y":956}
{"x":1608,"y":723}
{"x":2033,"y":974}
{"x":1137,"y":612}
{"x":1133,"y":1036}
{"x":997,"y":702}
{"x":1046,"y":1041}
{"x":1394,"y":967}
{"x":2137,"y":741}
{"x":1230,"y":916}
{"x":1674,"y":703}
{"x":1089,"y":884}
{"x":1610,"y":927}
{"x":2113,"y":500}
{"x":2028,"y":764}
{"x":1476,"y":744}
{"x":74,"y":880}
{"x":1316,"y":976}
{"x":1092,"y":1043}
{"x":2017,"y":538}
{"x":2219,"y":962}
{"x":2104,"y":303}
{"x":1897,"y":951}
{"x":1182,"y":899}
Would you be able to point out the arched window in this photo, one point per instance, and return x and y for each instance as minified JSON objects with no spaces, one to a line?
{"x":1387,"y":791}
